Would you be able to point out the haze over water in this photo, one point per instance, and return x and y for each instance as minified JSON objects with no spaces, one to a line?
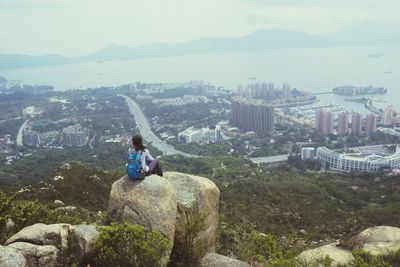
{"x":313,"y":69}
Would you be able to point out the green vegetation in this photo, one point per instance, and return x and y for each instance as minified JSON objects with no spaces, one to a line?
{"x":267,"y":214}
{"x":129,"y":245}
{"x":366,"y":259}
{"x":16,"y":214}
{"x":74,"y":184}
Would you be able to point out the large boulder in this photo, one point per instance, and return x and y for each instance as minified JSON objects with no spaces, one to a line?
{"x":338,"y":255}
{"x":150,"y":202}
{"x":12,"y":257}
{"x":379,"y":239}
{"x":217,"y":260}
{"x":197,"y":218}
{"x":85,"y":236}
{"x":42,"y":234}
{"x":38,"y":256}
{"x":48,"y":244}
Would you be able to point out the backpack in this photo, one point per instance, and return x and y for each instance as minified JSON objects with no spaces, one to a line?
{"x":134,"y":168}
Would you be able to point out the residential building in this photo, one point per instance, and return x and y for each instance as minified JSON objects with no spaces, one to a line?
{"x":324,"y":121}
{"x":74,"y":136}
{"x":370,"y":124}
{"x":286,"y":91}
{"x":253,"y":115}
{"x":31,"y":138}
{"x":356,"y":123}
{"x":343,"y":124}
{"x":357,"y":162}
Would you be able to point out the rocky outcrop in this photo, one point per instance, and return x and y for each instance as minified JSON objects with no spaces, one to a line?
{"x":12,"y":257}
{"x":85,"y":236}
{"x":38,"y":256}
{"x":182,"y":207}
{"x":379,"y":239}
{"x":42,"y":234}
{"x":43,"y":245}
{"x":338,"y":255}
{"x":150,"y":202}
{"x":197,"y":218}
{"x":217,"y":260}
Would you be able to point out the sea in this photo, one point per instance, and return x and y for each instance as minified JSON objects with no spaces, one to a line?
{"x":311,"y":69}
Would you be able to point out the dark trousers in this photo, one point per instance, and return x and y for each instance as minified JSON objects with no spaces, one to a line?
{"x":154,"y":168}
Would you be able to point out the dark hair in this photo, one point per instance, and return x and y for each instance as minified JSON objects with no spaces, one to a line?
{"x":138,"y":142}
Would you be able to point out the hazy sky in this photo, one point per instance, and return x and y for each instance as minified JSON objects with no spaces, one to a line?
{"x":75,"y":27}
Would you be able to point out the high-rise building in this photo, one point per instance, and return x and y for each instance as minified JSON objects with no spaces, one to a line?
{"x":271,"y":90}
{"x":370,"y":124}
{"x":252,"y":115}
{"x":343,"y":124}
{"x":31,"y":138}
{"x":286,"y":91}
{"x":324,"y":121}
{"x":328,"y":123}
{"x":74,"y":136}
{"x":356,"y":121}
{"x":319,"y":120}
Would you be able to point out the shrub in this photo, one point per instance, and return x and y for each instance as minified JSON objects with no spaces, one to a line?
{"x":366,"y":259}
{"x":26,"y":213}
{"x":193,"y":248}
{"x":129,"y":245}
{"x":23,"y":213}
{"x":259,"y":249}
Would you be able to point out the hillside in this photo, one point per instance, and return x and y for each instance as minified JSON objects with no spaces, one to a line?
{"x":313,"y":208}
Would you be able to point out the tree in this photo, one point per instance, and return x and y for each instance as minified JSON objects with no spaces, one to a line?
{"x":129,"y":245}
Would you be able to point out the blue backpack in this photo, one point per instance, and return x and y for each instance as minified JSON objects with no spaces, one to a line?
{"x":134,"y":168}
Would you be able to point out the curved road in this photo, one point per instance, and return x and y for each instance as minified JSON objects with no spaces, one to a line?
{"x":145,"y":131}
{"x":19,"y":135}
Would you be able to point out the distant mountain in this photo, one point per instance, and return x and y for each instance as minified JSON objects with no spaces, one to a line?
{"x":261,"y":40}
{"x":257,"y":41}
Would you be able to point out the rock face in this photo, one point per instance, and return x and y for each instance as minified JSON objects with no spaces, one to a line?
{"x":379,"y":239}
{"x":38,"y":256}
{"x":338,"y":255}
{"x":86,"y":236}
{"x":217,"y":260}
{"x":42,"y":234}
{"x":182,"y":207}
{"x":376,"y":240}
{"x":42,"y":245}
{"x":150,"y":202}
{"x":197,"y":218}
{"x":12,"y":257}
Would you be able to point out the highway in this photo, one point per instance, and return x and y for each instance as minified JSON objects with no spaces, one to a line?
{"x":148,"y":135}
{"x":19,"y":135}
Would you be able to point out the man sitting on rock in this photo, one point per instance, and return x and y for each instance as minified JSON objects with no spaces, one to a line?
{"x":149,"y":164}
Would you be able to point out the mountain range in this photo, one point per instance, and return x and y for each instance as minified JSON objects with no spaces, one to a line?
{"x":266,"y":39}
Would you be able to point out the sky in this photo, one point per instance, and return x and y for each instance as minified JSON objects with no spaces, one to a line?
{"x":78,"y":27}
